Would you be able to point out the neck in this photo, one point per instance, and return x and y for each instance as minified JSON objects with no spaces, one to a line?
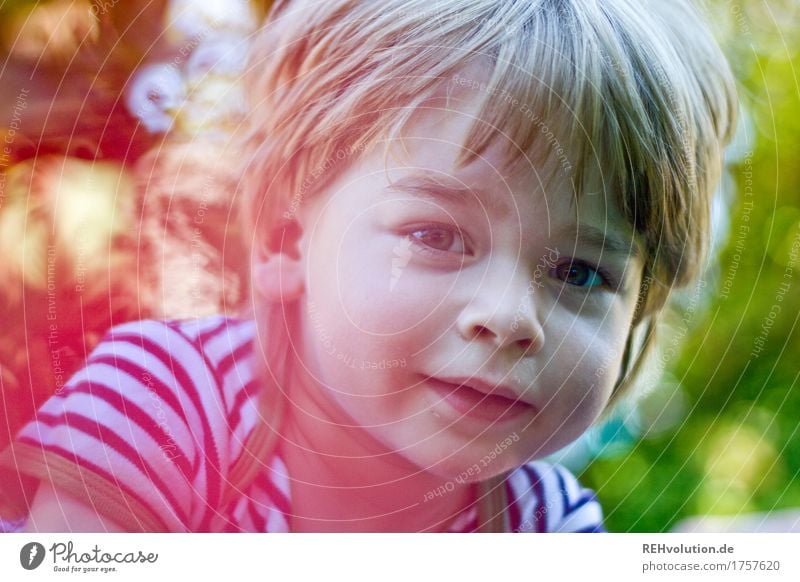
{"x":344,"y":480}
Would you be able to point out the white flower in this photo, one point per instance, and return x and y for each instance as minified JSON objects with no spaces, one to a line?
{"x":192,"y":18}
{"x":154,"y":94}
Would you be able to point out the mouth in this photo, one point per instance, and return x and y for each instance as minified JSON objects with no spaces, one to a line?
{"x":475,"y":399}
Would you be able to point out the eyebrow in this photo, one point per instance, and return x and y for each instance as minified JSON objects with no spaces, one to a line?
{"x":429,"y":188}
{"x":604,"y":239}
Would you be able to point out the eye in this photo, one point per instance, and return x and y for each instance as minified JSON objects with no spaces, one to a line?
{"x":439,"y":238}
{"x":580,"y":274}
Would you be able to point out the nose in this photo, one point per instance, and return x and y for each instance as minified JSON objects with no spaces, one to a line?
{"x":504,"y":315}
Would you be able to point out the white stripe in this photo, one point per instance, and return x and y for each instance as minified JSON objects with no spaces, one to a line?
{"x":240,"y":374}
{"x":552,"y":494}
{"x":125,"y":383}
{"x":185,"y":354}
{"x":195,"y":327}
{"x":276,"y":522}
{"x":131,"y":390}
{"x":526,"y":499}
{"x":228,"y":340}
{"x":203,"y":381}
{"x":574,"y":490}
{"x":280,"y":476}
{"x":589,"y":515}
{"x":241,"y":516}
{"x":97,"y":409}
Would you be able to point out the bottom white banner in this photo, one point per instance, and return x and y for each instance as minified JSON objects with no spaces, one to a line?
{"x":379,"y":557}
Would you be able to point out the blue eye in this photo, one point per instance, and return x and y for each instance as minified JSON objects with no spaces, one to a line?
{"x":579,"y":275}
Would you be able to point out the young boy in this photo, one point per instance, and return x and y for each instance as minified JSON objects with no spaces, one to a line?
{"x":465,"y":217}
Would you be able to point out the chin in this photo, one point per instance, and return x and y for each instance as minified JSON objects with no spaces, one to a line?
{"x":467,"y":463}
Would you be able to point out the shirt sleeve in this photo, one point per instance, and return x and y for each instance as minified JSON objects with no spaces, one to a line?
{"x":134,"y":434}
{"x":548,"y":498}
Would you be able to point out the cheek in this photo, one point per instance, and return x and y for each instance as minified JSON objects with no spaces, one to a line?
{"x":601,"y":371}
{"x":355,"y":327}
{"x":376,"y":289}
{"x":585,"y":367}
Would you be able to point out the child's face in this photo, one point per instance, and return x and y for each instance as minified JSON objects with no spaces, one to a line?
{"x":407,"y":282}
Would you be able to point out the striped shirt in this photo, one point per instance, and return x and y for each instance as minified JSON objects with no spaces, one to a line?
{"x":149,"y":431}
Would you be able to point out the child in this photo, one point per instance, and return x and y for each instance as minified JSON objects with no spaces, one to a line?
{"x":465,"y":217}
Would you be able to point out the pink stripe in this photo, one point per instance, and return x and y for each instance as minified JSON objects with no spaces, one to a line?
{"x":209,"y":446}
{"x":238,"y":354}
{"x":213,"y":472}
{"x":209,"y":334}
{"x":259,"y":523}
{"x":275,"y":495}
{"x":145,"y":378}
{"x":151,"y":382}
{"x":198,"y":348}
{"x":246,"y":393}
{"x":226,"y":339}
{"x":540,"y":518}
{"x":144,"y":421}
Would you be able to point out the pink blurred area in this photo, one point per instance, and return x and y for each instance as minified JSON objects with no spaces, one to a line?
{"x":103,"y":219}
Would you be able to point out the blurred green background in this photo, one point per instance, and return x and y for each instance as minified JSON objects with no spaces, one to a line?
{"x":720,"y":433}
{"x":716,"y":430}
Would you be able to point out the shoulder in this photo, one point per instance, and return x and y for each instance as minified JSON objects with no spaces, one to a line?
{"x":151,"y":416}
{"x":195,"y":357}
{"x":199,"y":369}
{"x":215,"y":338}
{"x":544,"y":497}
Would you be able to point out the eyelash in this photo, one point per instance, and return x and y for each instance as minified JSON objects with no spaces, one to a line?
{"x":427,"y":249}
{"x":608,"y":280}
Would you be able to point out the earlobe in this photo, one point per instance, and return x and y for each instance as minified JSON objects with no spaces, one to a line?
{"x":279,"y":278}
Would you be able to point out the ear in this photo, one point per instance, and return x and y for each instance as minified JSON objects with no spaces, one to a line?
{"x":278,"y":272}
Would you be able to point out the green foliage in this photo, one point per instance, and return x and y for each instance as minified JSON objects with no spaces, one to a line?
{"x":738,"y":448}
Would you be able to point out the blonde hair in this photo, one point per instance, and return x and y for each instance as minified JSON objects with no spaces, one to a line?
{"x":637,"y":89}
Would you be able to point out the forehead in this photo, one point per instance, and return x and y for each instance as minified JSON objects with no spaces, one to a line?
{"x":424,"y":159}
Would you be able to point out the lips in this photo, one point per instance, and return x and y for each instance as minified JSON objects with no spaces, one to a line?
{"x":477,"y":399}
{"x":483,"y":386}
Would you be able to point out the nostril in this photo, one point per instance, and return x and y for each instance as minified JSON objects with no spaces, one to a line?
{"x":525,"y":344}
{"x":482,"y":331}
